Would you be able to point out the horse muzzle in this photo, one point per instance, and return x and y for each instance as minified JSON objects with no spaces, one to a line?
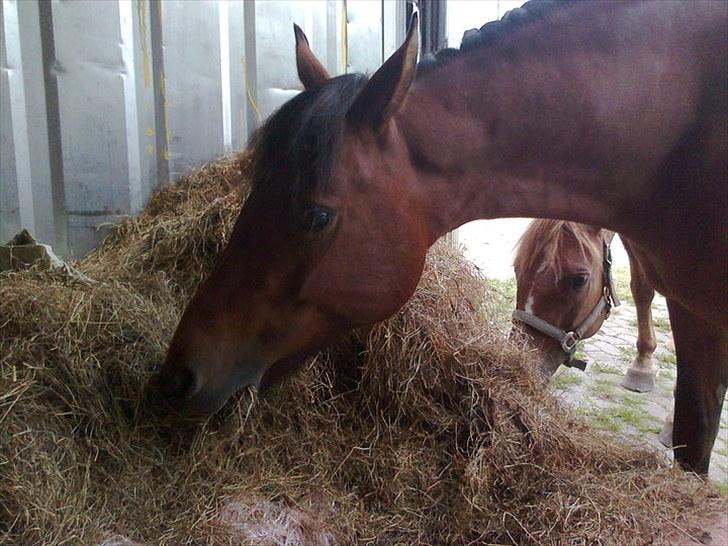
{"x":181,"y":390}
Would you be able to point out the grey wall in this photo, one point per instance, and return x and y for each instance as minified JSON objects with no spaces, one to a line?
{"x":100,"y":102}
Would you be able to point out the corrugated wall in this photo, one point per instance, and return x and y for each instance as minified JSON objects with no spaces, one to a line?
{"x":102,"y":101}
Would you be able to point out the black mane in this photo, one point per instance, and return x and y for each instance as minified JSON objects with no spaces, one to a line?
{"x":490,"y":32}
{"x":298,"y":142}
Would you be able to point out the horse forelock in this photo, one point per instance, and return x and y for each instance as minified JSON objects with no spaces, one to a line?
{"x":539,"y":249}
{"x":293,"y":152}
{"x":491,"y":32}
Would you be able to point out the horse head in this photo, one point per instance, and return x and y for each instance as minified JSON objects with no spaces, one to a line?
{"x":331,"y":237}
{"x":564,"y":290}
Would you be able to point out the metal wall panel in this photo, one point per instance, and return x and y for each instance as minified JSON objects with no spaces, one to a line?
{"x":192,"y":89}
{"x":236,"y":70}
{"x":145,"y":124}
{"x":25,"y":189}
{"x":100,"y":102}
{"x":275,"y":59}
{"x":9,"y":205}
{"x":95,"y":105}
{"x":394,"y":26}
{"x":364,"y":34}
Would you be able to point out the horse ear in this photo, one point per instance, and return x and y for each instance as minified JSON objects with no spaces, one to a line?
{"x":387,"y":89}
{"x":310,"y":70}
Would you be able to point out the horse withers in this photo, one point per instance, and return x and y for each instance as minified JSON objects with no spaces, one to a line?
{"x":604,"y":113}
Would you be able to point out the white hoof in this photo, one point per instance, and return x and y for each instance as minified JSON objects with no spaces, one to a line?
{"x":638,"y":381}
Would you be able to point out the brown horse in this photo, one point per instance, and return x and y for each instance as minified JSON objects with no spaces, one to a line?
{"x":565,"y":292}
{"x":606,"y":113}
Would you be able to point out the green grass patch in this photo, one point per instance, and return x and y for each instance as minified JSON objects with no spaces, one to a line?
{"x":599,"y":419}
{"x":635,"y":401}
{"x":615,"y":417}
{"x":628,"y":352}
{"x":567,"y":378}
{"x":661,"y":323}
{"x":604,"y":388}
{"x":620,"y":275}
{"x":649,"y":427}
{"x":601,"y":367}
{"x":667,"y":358}
{"x":635,"y":417}
{"x":722,"y":487}
{"x":503,"y":300}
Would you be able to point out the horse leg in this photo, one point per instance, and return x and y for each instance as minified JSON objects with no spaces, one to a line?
{"x":640,"y":376}
{"x":702,"y":377}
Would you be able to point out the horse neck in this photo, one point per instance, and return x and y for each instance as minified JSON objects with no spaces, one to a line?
{"x":548,"y":124}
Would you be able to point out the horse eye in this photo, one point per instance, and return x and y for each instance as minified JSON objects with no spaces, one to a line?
{"x":579,"y":281}
{"x":315,"y":219}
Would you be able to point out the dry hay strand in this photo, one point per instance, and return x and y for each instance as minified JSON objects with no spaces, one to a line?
{"x":180,"y":232}
{"x":429,"y":428}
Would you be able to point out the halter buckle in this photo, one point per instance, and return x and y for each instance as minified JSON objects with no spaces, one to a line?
{"x":568,"y":342}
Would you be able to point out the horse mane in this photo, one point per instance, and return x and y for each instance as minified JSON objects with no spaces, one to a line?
{"x":299,"y":140}
{"x":540,"y":245}
{"x":491,"y":32}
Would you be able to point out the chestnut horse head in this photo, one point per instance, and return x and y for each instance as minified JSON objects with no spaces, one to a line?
{"x":317,"y":248}
{"x":564,"y":287}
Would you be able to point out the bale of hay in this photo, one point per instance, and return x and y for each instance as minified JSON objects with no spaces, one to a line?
{"x":426,"y":429}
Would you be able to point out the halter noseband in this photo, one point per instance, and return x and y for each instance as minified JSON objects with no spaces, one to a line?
{"x":568,"y":340}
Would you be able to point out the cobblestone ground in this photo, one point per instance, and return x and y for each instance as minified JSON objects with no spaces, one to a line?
{"x":596,"y":392}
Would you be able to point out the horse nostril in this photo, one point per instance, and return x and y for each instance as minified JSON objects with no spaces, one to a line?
{"x":181,"y":385}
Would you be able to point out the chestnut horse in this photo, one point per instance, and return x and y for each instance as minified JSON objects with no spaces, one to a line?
{"x":565,"y":292}
{"x":607,"y":113}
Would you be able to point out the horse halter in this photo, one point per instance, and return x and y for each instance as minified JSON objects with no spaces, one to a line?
{"x":568,"y":340}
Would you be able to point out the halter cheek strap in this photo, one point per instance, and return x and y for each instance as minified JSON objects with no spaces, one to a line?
{"x":568,"y":340}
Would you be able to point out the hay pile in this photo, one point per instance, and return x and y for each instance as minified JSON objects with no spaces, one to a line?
{"x":426,"y":429}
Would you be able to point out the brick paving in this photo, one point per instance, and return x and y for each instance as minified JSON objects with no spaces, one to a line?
{"x":597,"y":392}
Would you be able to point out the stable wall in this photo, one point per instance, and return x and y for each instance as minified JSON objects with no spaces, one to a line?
{"x":102,"y":101}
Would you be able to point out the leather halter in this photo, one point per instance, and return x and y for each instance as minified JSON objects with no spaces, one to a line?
{"x":568,"y":340}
